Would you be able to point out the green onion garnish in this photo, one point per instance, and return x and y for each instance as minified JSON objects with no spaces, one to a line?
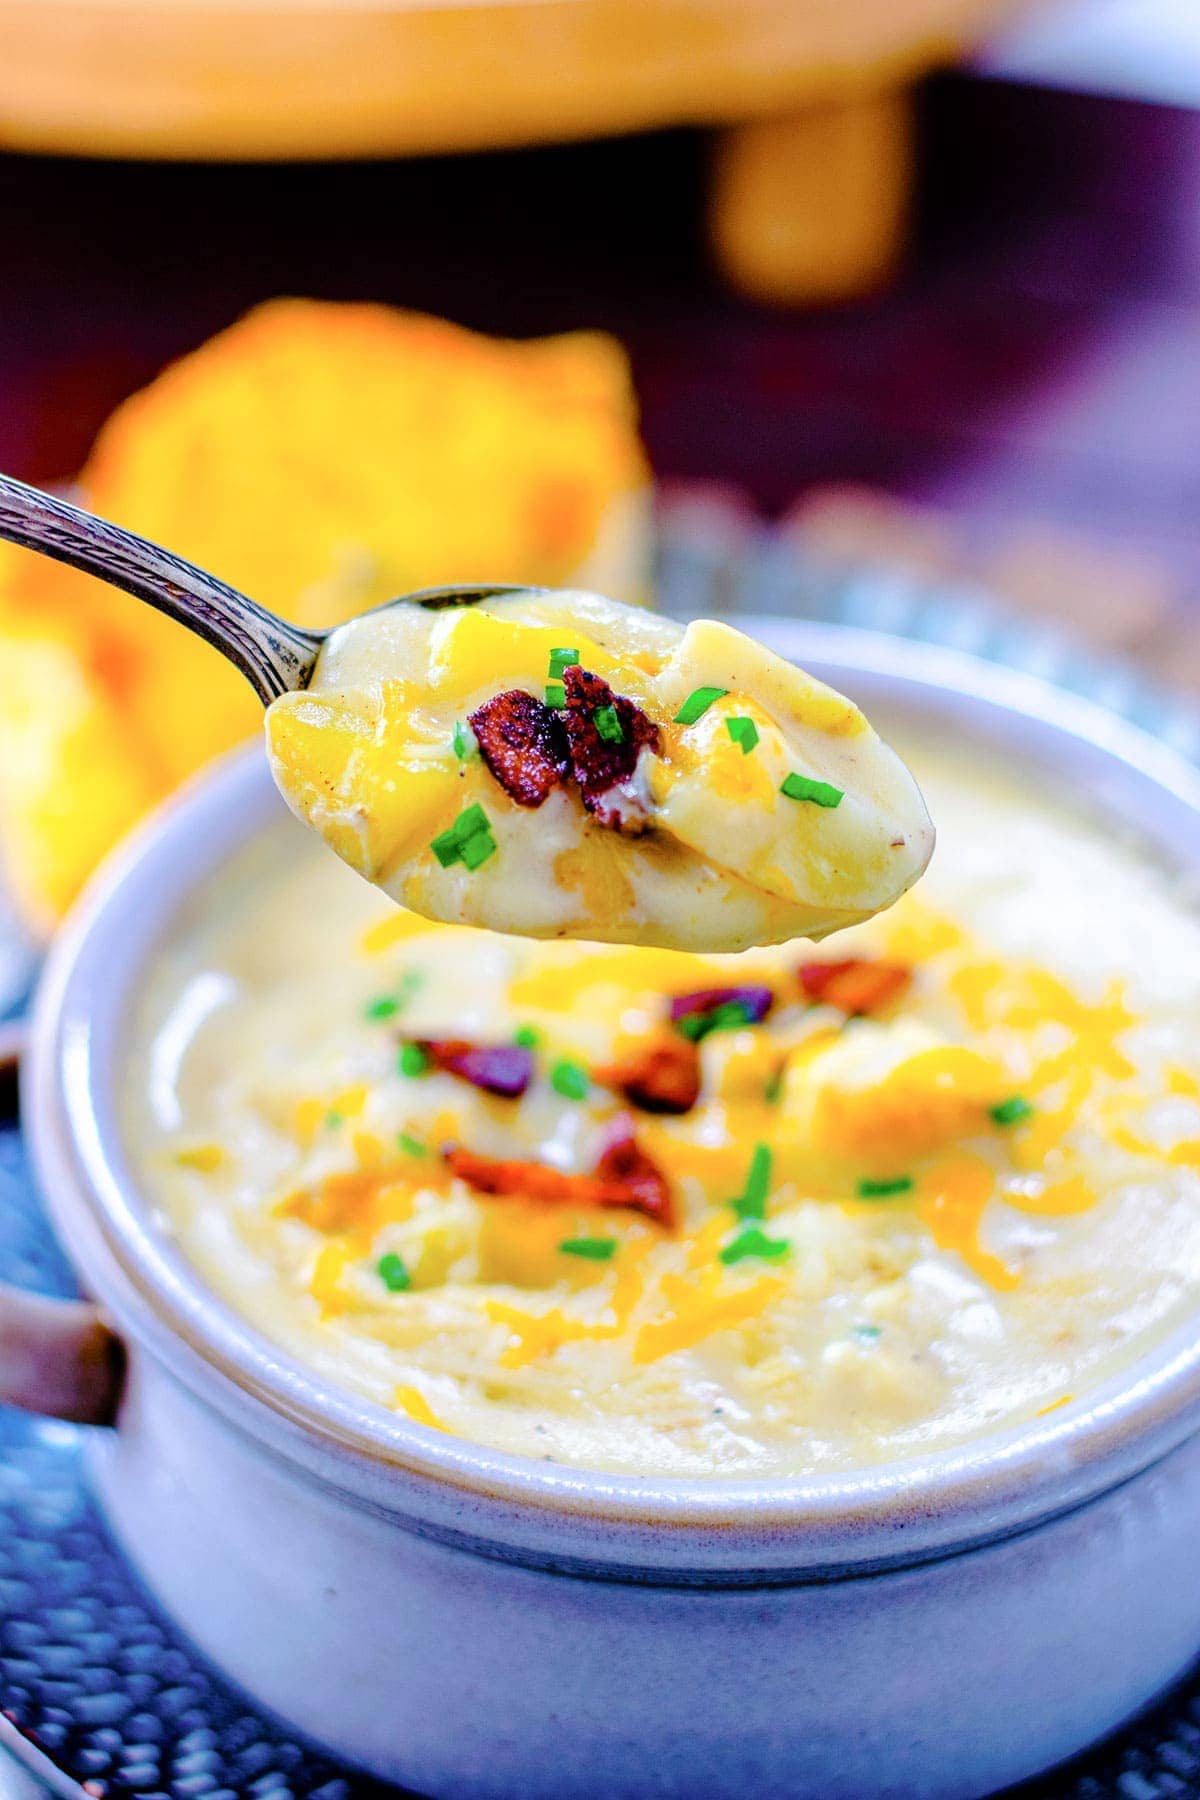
{"x":413,"y":1146}
{"x":743,"y":732}
{"x":561,"y":659}
{"x":393,"y":1274}
{"x":1011,"y":1111}
{"x":446,"y":848}
{"x":885,"y":1190}
{"x":596,"y":1249}
{"x":527,"y":1037}
{"x":608,"y":724}
{"x":570,"y":1079}
{"x":698,"y":703}
{"x":556,"y":695}
{"x":867,"y":1334}
{"x":334,"y":1120}
{"x":754,"y":1242}
{"x":463,"y":741}
{"x":821,"y":793}
{"x":751,"y":1203}
{"x":477,"y":849}
{"x":471,"y":828}
{"x":413,"y":1060}
{"x":388,"y":1005}
{"x":731,"y":1015}
{"x":773,"y":1087}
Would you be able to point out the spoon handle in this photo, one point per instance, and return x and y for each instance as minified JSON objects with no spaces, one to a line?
{"x":272,"y":654}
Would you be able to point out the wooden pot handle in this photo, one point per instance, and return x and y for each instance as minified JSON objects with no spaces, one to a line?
{"x":57,"y":1357}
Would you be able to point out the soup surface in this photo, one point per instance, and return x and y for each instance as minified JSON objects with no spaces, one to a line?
{"x":642,"y":1210}
{"x":561,"y":765}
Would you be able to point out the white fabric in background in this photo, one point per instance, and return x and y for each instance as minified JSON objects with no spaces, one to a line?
{"x":1138,"y":49}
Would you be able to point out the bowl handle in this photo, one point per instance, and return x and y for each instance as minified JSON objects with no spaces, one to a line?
{"x":57,"y":1357}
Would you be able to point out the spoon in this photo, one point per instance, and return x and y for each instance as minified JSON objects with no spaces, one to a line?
{"x":274,"y":655}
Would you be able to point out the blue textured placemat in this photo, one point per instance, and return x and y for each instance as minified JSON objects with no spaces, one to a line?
{"x":92,"y":1676}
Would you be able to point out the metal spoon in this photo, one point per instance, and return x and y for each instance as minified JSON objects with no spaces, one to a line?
{"x":271,"y":653}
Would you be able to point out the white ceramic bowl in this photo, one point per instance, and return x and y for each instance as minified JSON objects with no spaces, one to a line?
{"x":474,"y":1624}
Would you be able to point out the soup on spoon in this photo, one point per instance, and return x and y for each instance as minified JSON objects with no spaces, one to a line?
{"x":556,"y":764}
{"x":549,"y":763}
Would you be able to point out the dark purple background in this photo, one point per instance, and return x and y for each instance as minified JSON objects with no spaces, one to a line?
{"x":1039,"y":359}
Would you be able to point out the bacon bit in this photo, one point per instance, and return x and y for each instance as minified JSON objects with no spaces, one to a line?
{"x":523,"y":744}
{"x":626,"y":1166}
{"x":624,"y":1176}
{"x":504,"y":1069}
{"x":664,"y":1077}
{"x":855,"y":986}
{"x":603,"y":768}
{"x":756,"y":1002}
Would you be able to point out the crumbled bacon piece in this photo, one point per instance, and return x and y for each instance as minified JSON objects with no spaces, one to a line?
{"x":858,"y":985}
{"x":606,"y":769}
{"x":664,"y":1077}
{"x":504,"y":1069}
{"x":523,"y":744}
{"x":624,"y":1176}
{"x":754,"y":1000}
{"x":626,"y":1168}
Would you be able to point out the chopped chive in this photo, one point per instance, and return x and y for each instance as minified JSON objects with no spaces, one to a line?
{"x":754,"y":1242}
{"x":751,"y":1203}
{"x":386,"y":1007}
{"x":821,"y":793}
{"x":556,"y":695}
{"x":561,"y":659}
{"x":334,"y":1120}
{"x":743,"y":732}
{"x":451,"y":846}
{"x":608,"y":724}
{"x":446,"y":848}
{"x":698,"y":703}
{"x":393,"y":1274}
{"x":885,"y":1190}
{"x":731,"y":1015}
{"x":570,"y":1079}
{"x":867,"y":1334}
{"x":463,"y":741}
{"x":527,"y":1037}
{"x":408,"y":985}
{"x":411,"y":1145}
{"x":773,"y":1087}
{"x":413,"y":1060}
{"x":477,"y":849}
{"x":596,"y":1249}
{"x":1011,"y":1111}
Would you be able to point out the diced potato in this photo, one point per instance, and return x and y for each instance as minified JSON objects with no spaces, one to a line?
{"x":884,"y":1094}
{"x":372,"y":795}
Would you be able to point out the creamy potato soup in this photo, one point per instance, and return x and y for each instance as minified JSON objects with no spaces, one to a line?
{"x":560,"y":765}
{"x":640,"y":1210}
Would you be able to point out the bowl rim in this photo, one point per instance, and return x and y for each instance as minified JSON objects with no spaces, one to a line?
{"x":945,"y":1500}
